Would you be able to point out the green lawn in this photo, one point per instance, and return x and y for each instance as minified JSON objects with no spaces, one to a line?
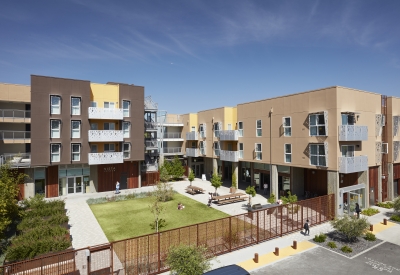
{"x":131,"y":218}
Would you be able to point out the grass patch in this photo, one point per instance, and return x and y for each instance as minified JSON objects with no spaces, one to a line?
{"x":370,"y":211}
{"x":387,"y":204}
{"x":132,"y":218}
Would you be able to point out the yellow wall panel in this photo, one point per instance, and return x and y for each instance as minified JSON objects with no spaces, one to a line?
{"x":101,"y":93}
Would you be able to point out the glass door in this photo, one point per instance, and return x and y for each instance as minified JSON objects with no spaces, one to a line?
{"x":354,"y":198}
{"x":71,"y":185}
{"x":78,"y":184}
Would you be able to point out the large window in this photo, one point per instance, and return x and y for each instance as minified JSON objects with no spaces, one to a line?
{"x":126,"y":106}
{"x":109,"y":126}
{"x":258,"y":151}
{"x":317,"y":125}
{"x":259,"y":128}
{"x":75,"y":129}
{"x":216,"y":148}
{"x":217,"y":128}
{"x":126,"y":148}
{"x":75,"y":106}
{"x":241,"y":150}
{"x":55,"y":105}
{"x":240,"y":128}
{"x":109,"y":105}
{"x":287,"y":126}
{"x":55,"y":151}
{"x":126,"y":126}
{"x":201,"y":130}
{"x":202,"y":147}
{"x":55,"y":128}
{"x":348,"y":151}
{"x":317,"y":155}
{"x":288,"y":153}
{"x":76,"y":152}
{"x":109,"y":147}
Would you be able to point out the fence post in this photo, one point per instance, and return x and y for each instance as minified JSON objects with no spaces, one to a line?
{"x":258,"y":226}
{"x":281,"y":219}
{"x":320,"y":208}
{"x":230,"y":234}
{"x":159,"y":253}
{"x":197,"y":226}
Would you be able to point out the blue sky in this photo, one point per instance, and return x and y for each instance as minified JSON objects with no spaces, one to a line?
{"x":198,"y":55}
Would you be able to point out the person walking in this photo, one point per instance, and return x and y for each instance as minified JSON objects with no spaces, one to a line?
{"x":307,"y":228}
{"x":209,"y":199}
{"x":358,"y":210}
{"x":265,"y":188}
{"x":117,"y":188}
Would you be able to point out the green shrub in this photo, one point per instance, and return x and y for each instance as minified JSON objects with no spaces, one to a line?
{"x":346,"y":249}
{"x":396,"y":204}
{"x":332,"y":244}
{"x":191,"y":260}
{"x":320,"y":238}
{"x":387,"y":204}
{"x":370,"y":237}
{"x":370,"y":211}
{"x":395,"y":218}
{"x":272,"y":199}
{"x":231,"y":237}
{"x":289,"y":199}
{"x":350,"y":227}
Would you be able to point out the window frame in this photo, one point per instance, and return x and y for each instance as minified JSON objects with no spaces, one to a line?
{"x":53,"y":154}
{"x":108,"y":123}
{"x":286,"y":153}
{"x":74,"y":107}
{"x":217,"y":148}
{"x":75,"y":153}
{"x":202,"y":147}
{"x":92,"y":146}
{"x":240,"y":129}
{"x":342,"y":150}
{"x":318,"y":156}
{"x":126,"y":131}
{"x":79,"y":128}
{"x":258,"y":153}
{"x":110,"y":103}
{"x":349,"y":121}
{"x":317,"y":125}
{"x":93,"y":104}
{"x":126,"y":151}
{"x":51,"y":104}
{"x":51,"y":128}
{"x":109,"y":145}
{"x":126,"y":109}
{"x":258,"y":128}
{"x":241,"y":154}
{"x":285,"y":127}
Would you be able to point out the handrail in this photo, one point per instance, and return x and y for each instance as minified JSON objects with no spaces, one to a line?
{"x":6,"y":135}
{"x":14,"y":114}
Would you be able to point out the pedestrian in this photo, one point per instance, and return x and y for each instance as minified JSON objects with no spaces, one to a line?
{"x":306,"y":228}
{"x":265,"y":188}
{"x":358,"y":210}
{"x":209,"y":199}
{"x":117,"y":188}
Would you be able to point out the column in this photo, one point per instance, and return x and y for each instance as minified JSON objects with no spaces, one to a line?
{"x":297,"y":181}
{"x":333,"y":188}
{"x":190,"y":165}
{"x":214,"y":165}
{"x":363,"y":177}
{"x":251,"y":173}
{"x":235,"y":171}
{"x":274,"y":183}
{"x":94,"y":179}
{"x":29,"y":183}
{"x":390,"y":190}
{"x":139,"y":175}
{"x":379,"y":184}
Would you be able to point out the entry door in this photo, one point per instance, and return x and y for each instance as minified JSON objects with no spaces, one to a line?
{"x":75,"y":185}
{"x":78,"y":184}
{"x":123,"y":181}
{"x":354,"y":198}
{"x":71,"y":185}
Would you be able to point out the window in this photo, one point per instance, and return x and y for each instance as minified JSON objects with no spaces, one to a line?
{"x":229,"y":126}
{"x":55,"y":105}
{"x":287,"y":126}
{"x":216,"y":148}
{"x":109,"y":147}
{"x":241,"y":150}
{"x":259,"y":128}
{"x":76,"y":152}
{"x":55,"y":152}
{"x":109,"y":105}
{"x":317,"y":125}
{"x":317,"y":154}
{"x":93,"y":148}
{"x":288,"y":153}
{"x":348,"y":119}
{"x":201,"y":130}
{"x":193,"y":144}
{"x":348,"y":151}
{"x":55,"y":127}
{"x":126,"y":105}
{"x":126,"y":147}
{"x":202,"y":148}
{"x":93,"y":104}
{"x":94,"y":126}
{"x":240,"y":128}
{"x":217,"y":128}
{"x":258,"y":151}
{"x":75,"y":129}
{"x":126,"y":127}
{"x":109,"y":126}
{"x":193,"y":128}
{"x":75,"y":106}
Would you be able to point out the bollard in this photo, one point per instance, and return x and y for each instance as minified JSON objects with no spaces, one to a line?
{"x":276,"y":251}
{"x":256,"y":258}
{"x":294,"y":245}
{"x":371,"y":227}
{"x":385,"y":221}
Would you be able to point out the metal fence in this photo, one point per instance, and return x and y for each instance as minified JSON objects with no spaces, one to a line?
{"x":147,"y":254}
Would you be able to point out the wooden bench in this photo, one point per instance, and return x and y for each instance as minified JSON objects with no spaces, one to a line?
{"x":230,"y":200}
{"x":190,"y":191}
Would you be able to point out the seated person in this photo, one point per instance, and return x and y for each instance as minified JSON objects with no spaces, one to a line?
{"x":180,"y":206}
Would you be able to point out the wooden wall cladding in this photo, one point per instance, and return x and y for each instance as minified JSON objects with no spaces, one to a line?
{"x":21,"y":185}
{"x":373,"y":180}
{"x":52,"y":181}
{"x":316,"y":181}
{"x":396,"y":171}
{"x":348,"y":179}
{"x":151,"y":178}
{"x":109,"y":174}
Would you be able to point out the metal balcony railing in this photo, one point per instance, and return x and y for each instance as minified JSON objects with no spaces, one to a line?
{"x":192,"y":152}
{"x":150,"y":167}
{"x":12,"y":115}
{"x":172,"y":150}
{"x":192,"y":136}
{"x":353,"y":133}
{"x":150,"y":126}
{"x":151,"y":143}
{"x":229,"y":135}
{"x":106,"y":113}
{"x":16,"y":136}
{"x":172,"y":135}
{"x":349,"y":165}
{"x":106,"y":135}
{"x":232,"y":156}
{"x":16,"y":160}
{"x":106,"y":158}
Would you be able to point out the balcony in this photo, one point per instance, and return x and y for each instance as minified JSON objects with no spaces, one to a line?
{"x":192,"y":152}
{"x":349,"y":165}
{"x":106,"y":158}
{"x":150,"y":126}
{"x":16,"y":137}
{"x":106,"y":113}
{"x":173,"y":135}
{"x":232,"y":156}
{"x":106,"y":135}
{"x":15,"y":116}
{"x":192,"y":136}
{"x":172,"y":150}
{"x":150,"y":167}
{"x":353,"y":133}
{"x":16,"y":160}
{"x":229,"y":135}
{"x":151,"y":144}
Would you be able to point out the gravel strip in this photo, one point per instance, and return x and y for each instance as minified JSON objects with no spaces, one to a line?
{"x":358,"y":246}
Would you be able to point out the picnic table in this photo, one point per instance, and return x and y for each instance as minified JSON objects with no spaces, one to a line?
{"x":230,"y":198}
{"x":191,"y":189}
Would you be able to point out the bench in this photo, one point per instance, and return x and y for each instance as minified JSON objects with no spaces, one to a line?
{"x":230,"y":200}
{"x":190,"y":191}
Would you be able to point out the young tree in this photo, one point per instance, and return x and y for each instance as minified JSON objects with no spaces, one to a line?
{"x":251,"y":192}
{"x":191,"y":177}
{"x":350,"y":227}
{"x":289,"y":199}
{"x":188,"y":260}
{"x":163,"y":192}
{"x":396,"y":204}
{"x":177,"y":168}
{"x":164,"y":175}
{"x":156,"y":208}
{"x":216,"y":181}
{"x":9,"y":180}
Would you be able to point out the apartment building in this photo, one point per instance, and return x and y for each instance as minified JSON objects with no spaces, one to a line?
{"x":73,"y":136}
{"x":170,"y":136}
{"x":333,"y":140}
